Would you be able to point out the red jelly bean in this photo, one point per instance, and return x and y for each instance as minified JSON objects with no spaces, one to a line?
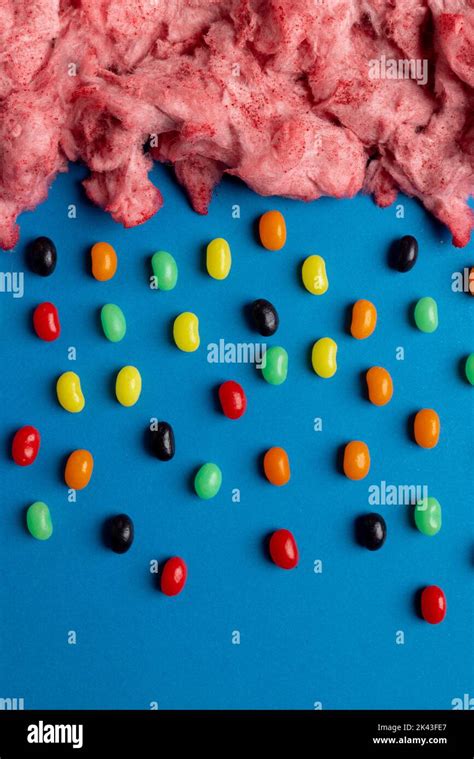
{"x":25,"y":445}
{"x":283,"y":549}
{"x":233,"y":399}
{"x":173,"y":577}
{"x":46,"y":322}
{"x":433,"y":604}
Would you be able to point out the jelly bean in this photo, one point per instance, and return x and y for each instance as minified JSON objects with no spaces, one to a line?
{"x":371,"y":531}
{"x":433,"y":604}
{"x":471,"y":281}
{"x":186,"y":332}
{"x":427,"y":428}
{"x":233,"y":399}
{"x":379,"y":385}
{"x":113,"y":322}
{"x":208,"y":481}
{"x":128,"y":385}
{"x":426,"y":315}
{"x":173,"y":576}
{"x":272,"y":229}
{"x":265,"y":317}
{"x":469,"y":368}
{"x":283,"y":549}
{"x":25,"y":445}
{"x":104,"y":261}
{"x":38,"y":521}
{"x":405,"y":253}
{"x":364,"y":319}
{"x":218,"y":258}
{"x":120,"y":533}
{"x":165,"y":270}
{"x":79,"y":467}
{"x":275,"y":365}
{"x":162,"y":443}
{"x":69,"y":392}
{"x":428,"y":515}
{"x":42,"y":256}
{"x":356,"y":460}
{"x":46,"y":322}
{"x":323,"y":357}
{"x":276,"y":466}
{"x":314,"y":275}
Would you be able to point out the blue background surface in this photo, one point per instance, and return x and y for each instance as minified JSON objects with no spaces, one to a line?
{"x":305,"y":637}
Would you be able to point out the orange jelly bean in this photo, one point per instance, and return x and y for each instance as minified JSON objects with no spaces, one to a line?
{"x":427,"y":428}
{"x":276,"y":466}
{"x":356,"y":460}
{"x":379,"y":385}
{"x":272,"y":229}
{"x":78,"y":470}
{"x":364,"y":319}
{"x":104,"y":261}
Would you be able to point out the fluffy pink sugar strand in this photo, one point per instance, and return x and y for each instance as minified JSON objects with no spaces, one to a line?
{"x":277,"y":93}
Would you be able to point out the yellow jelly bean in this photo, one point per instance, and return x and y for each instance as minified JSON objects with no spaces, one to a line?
{"x":218,"y":258}
{"x":128,"y":385}
{"x":70,"y":396}
{"x":186,"y":332}
{"x":314,"y":275}
{"x":323,"y":357}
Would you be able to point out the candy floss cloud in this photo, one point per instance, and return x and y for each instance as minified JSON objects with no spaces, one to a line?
{"x":280,"y":93}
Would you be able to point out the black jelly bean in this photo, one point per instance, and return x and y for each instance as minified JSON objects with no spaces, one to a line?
{"x":120,"y":533}
{"x":405,"y":253}
{"x":162,"y":441}
{"x":265,"y":317}
{"x":41,"y":256}
{"x":371,"y":531}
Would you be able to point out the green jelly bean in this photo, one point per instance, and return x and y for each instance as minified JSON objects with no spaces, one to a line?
{"x":275,"y":365}
{"x":469,"y":368}
{"x":426,"y":315}
{"x":38,"y":520}
{"x":428,"y":516}
{"x":208,"y":481}
{"x":165,"y":270}
{"x":113,"y":322}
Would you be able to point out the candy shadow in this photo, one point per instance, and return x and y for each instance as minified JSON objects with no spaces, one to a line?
{"x":411,"y":314}
{"x":255,"y":230}
{"x":156,"y":576}
{"x":298,"y":274}
{"x":417,"y":602}
{"x":214,"y":399}
{"x":358,"y":530}
{"x":147,"y":269}
{"x":259,"y":464}
{"x":339,"y":458}
{"x":62,"y":466}
{"x":202,"y":259}
{"x":22,"y":520}
{"x":265,"y":544}
{"x":364,"y":390}
{"x":247,"y":316}
{"x":9,"y":444}
{"x":190,"y":481}
{"x":410,"y":426}
{"x":461,"y":369}
{"x":392,"y":255}
{"x":86,"y":261}
{"x":347,"y":318}
{"x":31,"y":329}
